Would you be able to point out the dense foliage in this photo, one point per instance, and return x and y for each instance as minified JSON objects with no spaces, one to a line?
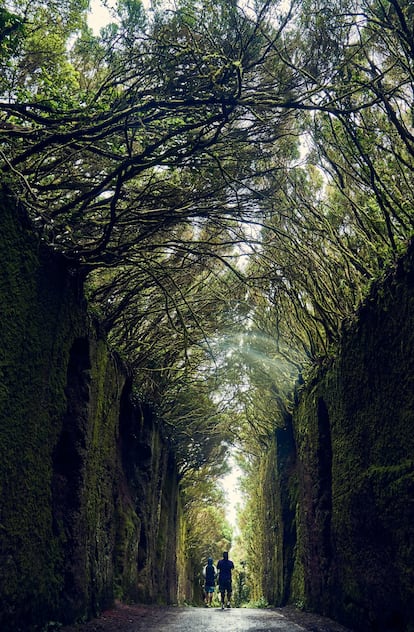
{"x":228,"y":178}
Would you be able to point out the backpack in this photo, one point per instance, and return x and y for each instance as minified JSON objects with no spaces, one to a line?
{"x":210,"y":575}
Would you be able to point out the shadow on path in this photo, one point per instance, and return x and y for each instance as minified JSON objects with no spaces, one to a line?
{"x":137,"y":618}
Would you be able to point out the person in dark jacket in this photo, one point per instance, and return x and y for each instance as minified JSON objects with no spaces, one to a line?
{"x":224,"y":567}
{"x":209,"y":574}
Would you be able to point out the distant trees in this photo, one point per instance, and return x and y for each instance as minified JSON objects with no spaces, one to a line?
{"x":208,"y":531}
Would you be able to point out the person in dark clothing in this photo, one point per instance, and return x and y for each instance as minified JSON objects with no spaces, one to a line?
{"x":209,"y":574}
{"x":224,"y":567}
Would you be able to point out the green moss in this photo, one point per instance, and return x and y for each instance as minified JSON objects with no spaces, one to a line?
{"x":83,"y":517}
{"x":35,"y":341}
{"x":128,"y":527}
{"x":369,"y":398}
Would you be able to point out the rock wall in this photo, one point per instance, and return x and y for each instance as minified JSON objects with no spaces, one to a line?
{"x":89,"y":500}
{"x":354,"y":435}
{"x":275,"y":534}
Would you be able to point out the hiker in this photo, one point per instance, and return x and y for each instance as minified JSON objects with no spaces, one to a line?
{"x":209,"y":574}
{"x":224,"y":567}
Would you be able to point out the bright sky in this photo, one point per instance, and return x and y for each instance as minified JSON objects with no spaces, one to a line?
{"x":99,"y":15}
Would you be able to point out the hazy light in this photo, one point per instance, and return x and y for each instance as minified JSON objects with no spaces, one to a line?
{"x":234,"y":497}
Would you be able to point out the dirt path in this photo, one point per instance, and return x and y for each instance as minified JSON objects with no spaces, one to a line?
{"x":124,"y":618}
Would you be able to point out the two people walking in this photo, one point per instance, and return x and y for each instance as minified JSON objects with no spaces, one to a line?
{"x":223,"y":570}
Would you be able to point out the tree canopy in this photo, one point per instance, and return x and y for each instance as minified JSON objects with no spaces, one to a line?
{"x":228,"y":178}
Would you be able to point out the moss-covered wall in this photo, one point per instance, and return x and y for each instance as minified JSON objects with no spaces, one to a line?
{"x":275,"y":536}
{"x":150,"y":506}
{"x":88,"y":487}
{"x":336,"y":497}
{"x":39,"y":321}
{"x":354,"y":431}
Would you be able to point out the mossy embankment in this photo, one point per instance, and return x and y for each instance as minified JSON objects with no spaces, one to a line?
{"x":88,"y":486}
{"x":351,"y":471}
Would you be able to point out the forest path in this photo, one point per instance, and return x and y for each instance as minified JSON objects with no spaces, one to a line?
{"x":124,"y":618}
